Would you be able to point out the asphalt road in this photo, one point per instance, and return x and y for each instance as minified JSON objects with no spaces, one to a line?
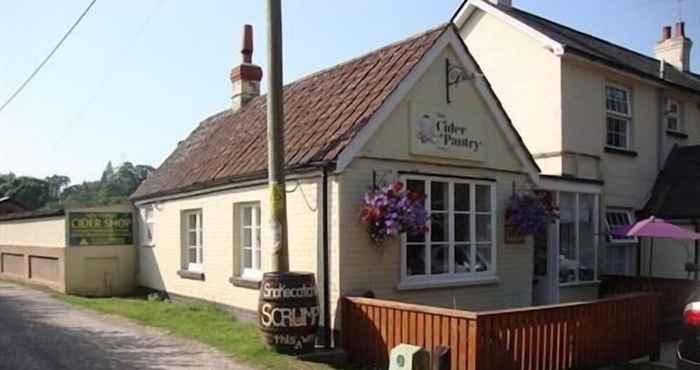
{"x":38,"y":332}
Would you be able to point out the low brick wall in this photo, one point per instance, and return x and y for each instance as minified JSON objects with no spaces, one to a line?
{"x":34,"y":264}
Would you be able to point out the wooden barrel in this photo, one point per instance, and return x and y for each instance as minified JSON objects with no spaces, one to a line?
{"x":288,"y":311}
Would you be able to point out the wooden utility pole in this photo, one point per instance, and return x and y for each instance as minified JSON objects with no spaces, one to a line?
{"x":275,"y":139}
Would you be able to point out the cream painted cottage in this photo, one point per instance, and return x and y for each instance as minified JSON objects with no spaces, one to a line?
{"x":593,"y":111}
{"x":419,"y":111}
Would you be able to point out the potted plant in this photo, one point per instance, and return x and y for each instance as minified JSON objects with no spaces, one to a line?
{"x":529,"y":213}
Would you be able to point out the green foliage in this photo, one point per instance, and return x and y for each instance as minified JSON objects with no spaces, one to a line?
{"x":114,"y":187}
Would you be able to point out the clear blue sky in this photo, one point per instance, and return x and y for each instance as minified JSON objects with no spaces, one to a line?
{"x":137,"y":76}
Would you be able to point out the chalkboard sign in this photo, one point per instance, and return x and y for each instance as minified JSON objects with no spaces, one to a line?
{"x":100,"y":228}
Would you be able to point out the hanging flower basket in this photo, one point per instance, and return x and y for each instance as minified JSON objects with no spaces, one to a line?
{"x":529,"y":214}
{"x":391,"y":210}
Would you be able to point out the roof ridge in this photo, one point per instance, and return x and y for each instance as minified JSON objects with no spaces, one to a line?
{"x":649,"y":57}
{"x":410,"y":37}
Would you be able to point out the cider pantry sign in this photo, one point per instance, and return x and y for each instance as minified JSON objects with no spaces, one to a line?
{"x":439,"y":131}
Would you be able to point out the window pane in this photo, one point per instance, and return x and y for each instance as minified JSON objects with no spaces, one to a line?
{"x":483,"y":198}
{"x":200,"y":255}
{"x":247,"y":238}
{"x":438,"y":196}
{"x":247,"y":216}
{"x":439,"y":259}
{"x":192,"y":221}
{"x":192,"y":255}
{"x":586,"y":238}
{"x":257,"y":216}
{"x":415,"y":260}
{"x":257,"y":261}
{"x":617,"y":100}
{"x":461,"y":197}
{"x":247,"y":258}
{"x":483,"y":257}
{"x":483,"y":228}
{"x":462,"y":228}
{"x":192,"y":238}
{"x":439,"y":229}
{"x":567,"y":238}
{"x":462,"y":258}
{"x":617,"y":132}
{"x":416,"y":185}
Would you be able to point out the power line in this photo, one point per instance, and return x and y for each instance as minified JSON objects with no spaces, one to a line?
{"x":41,"y":65}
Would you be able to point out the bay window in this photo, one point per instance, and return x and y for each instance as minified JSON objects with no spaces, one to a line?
{"x":460,"y":243}
{"x":578,"y":227}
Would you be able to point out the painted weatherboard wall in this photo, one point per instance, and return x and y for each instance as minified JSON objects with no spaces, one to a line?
{"x":39,"y":232}
{"x":363,"y":267}
{"x":526,"y":78}
{"x":159,"y":264}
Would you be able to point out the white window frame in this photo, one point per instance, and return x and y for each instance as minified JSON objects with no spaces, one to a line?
{"x":197,"y":244}
{"x":630,"y":219}
{"x":626,"y":117}
{"x":677,"y":115}
{"x":451,"y":278}
{"x":595,"y":221}
{"x":251,"y":272}
{"x":147,"y":226}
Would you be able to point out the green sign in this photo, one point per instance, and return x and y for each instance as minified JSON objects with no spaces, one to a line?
{"x":100,"y":228}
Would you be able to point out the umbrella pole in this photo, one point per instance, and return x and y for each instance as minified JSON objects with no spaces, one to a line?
{"x":651,"y":256}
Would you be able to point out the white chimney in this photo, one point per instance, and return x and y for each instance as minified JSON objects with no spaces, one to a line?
{"x":246,"y":76}
{"x":674,"y":49}
{"x":504,"y":3}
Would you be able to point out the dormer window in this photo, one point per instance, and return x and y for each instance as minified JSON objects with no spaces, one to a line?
{"x":619,"y":116}
{"x":672,"y":116}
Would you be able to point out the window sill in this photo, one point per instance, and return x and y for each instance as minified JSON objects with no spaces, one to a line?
{"x":191,"y":275}
{"x":148,"y":245}
{"x":579,"y":283}
{"x":446,"y":283}
{"x":625,"y":152}
{"x":240,"y":282}
{"x":676,"y":134}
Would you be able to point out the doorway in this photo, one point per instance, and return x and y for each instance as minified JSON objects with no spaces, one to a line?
{"x":545,"y":279}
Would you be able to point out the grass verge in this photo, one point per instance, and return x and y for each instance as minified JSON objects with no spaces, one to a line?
{"x":202,"y":322}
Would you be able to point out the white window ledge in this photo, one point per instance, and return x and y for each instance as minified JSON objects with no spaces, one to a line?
{"x":446,"y":282}
{"x":579,"y":283}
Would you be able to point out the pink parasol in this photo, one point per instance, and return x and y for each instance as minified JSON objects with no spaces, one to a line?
{"x":653,"y":227}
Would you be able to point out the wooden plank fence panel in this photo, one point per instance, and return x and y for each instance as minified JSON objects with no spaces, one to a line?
{"x":558,"y":337}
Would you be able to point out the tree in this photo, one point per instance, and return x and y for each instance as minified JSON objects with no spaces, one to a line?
{"x":32,"y":192}
{"x":56,"y":184}
{"x":108,"y":172}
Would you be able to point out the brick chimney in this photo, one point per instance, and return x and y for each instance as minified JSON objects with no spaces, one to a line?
{"x":674,"y":48}
{"x":246,"y":77}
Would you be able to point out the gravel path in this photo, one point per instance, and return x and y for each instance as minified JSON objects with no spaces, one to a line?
{"x":38,"y":332}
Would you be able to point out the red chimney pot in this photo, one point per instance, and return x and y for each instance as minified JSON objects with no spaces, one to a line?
{"x":247,"y":48}
{"x":665,"y":33}
{"x":680,"y":29}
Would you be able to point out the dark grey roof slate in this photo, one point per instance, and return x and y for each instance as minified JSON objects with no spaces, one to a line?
{"x":676,"y":192}
{"x":604,"y":51}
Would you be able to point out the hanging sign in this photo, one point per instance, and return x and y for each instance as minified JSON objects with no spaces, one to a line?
{"x":100,"y":228}
{"x":439,"y":131}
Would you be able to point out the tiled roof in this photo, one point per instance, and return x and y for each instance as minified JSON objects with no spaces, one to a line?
{"x":323,"y":112}
{"x":604,"y":51}
{"x":676,"y":193}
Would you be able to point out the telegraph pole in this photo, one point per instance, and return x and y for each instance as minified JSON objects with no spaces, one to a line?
{"x":275,"y":139}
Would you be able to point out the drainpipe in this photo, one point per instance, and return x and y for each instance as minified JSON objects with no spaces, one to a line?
{"x":696,"y":260}
{"x":322,"y":262}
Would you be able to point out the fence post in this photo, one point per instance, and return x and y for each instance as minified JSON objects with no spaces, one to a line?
{"x":473,"y":340}
{"x":656,"y":355}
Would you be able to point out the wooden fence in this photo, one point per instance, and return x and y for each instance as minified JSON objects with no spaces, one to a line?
{"x":675,"y":293}
{"x":557,"y":337}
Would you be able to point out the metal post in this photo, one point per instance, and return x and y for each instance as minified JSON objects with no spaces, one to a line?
{"x":275,"y":139}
